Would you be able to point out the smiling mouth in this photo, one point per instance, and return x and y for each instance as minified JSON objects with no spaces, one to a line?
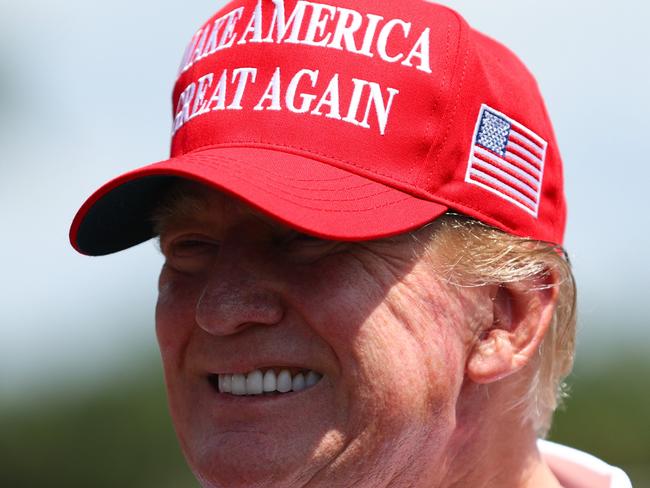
{"x":265,"y":382}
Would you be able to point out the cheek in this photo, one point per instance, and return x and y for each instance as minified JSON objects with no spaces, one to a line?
{"x":413,"y":354}
{"x":335,"y":298}
{"x":418,"y":372}
{"x":175,"y":315}
{"x":398,"y":360}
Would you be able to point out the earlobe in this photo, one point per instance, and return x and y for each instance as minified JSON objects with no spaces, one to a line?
{"x":522,"y":312}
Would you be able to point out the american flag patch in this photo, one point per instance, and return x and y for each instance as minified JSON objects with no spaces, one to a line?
{"x":507,"y":159}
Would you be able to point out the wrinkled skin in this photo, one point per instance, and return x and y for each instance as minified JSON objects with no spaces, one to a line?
{"x":239,"y":291}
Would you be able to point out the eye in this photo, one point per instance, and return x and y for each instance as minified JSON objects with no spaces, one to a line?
{"x":192,"y":246}
{"x":190,"y":253}
{"x":300,"y":239}
{"x":304,"y":246}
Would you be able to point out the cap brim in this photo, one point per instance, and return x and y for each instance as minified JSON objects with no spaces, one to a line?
{"x":305,"y":194}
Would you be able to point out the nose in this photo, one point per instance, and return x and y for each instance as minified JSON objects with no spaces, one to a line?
{"x":241,"y":291}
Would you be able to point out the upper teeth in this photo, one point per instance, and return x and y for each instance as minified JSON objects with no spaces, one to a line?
{"x":256,"y":382}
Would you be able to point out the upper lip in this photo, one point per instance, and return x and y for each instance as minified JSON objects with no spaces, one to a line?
{"x":246,"y":366}
{"x":262,"y":367}
{"x":211,"y":356}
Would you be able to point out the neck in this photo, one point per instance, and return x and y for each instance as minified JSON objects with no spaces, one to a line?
{"x":492,"y":448}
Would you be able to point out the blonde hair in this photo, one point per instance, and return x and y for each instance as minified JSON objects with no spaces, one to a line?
{"x":478,"y":254}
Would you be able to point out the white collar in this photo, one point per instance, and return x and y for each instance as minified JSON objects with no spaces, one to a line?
{"x":577,"y":469}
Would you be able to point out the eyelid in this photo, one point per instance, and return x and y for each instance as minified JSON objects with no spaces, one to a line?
{"x":302,"y":238}
{"x":173,"y":244}
{"x":305,"y":246}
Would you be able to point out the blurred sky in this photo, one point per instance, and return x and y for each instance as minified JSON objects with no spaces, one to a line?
{"x":85,"y":95}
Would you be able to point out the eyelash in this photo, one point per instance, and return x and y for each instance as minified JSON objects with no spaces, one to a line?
{"x":191,"y":246}
{"x":192,"y":250}
{"x":300,"y":239}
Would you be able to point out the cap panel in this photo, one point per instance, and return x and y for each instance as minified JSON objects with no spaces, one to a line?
{"x":374,"y":110}
{"x":497,"y":79}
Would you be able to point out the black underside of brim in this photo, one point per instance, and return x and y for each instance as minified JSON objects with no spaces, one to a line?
{"x":122,"y":218}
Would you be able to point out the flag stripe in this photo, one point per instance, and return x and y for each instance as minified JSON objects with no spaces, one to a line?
{"x":528,"y":134}
{"x":524,"y":154}
{"x":496,"y":186}
{"x":512,"y":168}
{"x":528,"y":144}
{"x":529,"y":169}
{"x":514,"y":159}
{"x":505,"y":179}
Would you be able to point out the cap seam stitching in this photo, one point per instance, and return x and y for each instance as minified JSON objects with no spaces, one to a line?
{"x":455,"y":107}
{"x":309,"y":151}
{"x":274,"y":178}
{"x":422,"y":173}
{"x":285,"y":189}
{"x":388,"y":204}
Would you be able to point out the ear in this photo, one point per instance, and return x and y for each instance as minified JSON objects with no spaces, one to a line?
{"x":522,"y":313}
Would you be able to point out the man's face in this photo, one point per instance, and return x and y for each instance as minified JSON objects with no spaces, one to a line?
{"x":239,"y":293}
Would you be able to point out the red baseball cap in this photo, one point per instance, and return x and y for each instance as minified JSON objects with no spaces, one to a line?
{"x":351,"y":120}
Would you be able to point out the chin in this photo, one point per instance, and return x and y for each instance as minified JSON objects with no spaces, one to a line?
{"x":247,"y":460}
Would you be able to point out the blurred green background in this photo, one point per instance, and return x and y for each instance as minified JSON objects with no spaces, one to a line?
{"x":84,"y":95}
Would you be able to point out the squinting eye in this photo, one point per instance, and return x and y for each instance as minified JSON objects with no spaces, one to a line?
{"x":304,"y":246}
{"x":300,"y":239}
{"x":190,"y":254}
{"x":307,"y":239}
{"x":189,"y":247}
